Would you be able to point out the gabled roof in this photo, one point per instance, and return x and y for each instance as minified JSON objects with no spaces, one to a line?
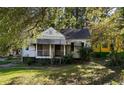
{"x":76,"y":33}
{"x":51,"y":33}
{"x":50,"y":36}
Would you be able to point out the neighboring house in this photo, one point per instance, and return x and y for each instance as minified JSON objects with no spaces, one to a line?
{"x":55,"y":44}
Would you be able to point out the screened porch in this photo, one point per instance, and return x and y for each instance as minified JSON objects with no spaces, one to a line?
{"x":50,"y":50}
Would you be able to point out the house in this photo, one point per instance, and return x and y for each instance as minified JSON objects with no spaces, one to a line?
{"x":56,"y":44}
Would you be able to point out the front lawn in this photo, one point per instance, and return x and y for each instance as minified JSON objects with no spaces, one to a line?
{"x":92,"y":73}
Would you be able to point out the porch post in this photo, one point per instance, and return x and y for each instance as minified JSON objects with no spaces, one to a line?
{"x":50,"y":52}
{"x":36,"y":50}
{"x":64,"y":50}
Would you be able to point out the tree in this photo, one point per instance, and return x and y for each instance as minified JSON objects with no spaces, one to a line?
{"x":19,"y":24}
{"x":107,"y":25}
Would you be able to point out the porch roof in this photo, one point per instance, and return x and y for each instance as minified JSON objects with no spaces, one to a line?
{"x":51,"y":41}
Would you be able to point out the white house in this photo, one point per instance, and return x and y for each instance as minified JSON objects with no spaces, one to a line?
{"x":53,"y":44}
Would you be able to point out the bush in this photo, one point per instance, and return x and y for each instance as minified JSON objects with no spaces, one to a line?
{"x":4,"y":62}
{"x":67,"y":59}
{"x":120,"y":58}
{"x":117,"y":59}
{"x":85,"y":53}
{"x":42,"y":62}
{"x":100,"y":54}
{"x":121,"y":55}
{"x":29,"y":60}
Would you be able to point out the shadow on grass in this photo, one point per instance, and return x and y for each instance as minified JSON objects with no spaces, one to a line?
{"x":94,"y":73}
{"x":116,"y":76}
{"x":70,"y":75}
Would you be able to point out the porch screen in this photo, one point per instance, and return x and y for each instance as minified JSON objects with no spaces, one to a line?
{"x":42,"y":50}
{"x":72,"y":46}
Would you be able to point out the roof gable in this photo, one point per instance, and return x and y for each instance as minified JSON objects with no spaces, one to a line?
{"x":51,"y":33}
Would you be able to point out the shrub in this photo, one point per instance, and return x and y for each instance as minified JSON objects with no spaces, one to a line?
{"x":117,"y":59}
{"x":101,"y":54}
{"x":85,"y":53}
{"x":67,"y":59}
{"x":4,"y":62}
{"x":42,"y":62}
{"x":120,"y":59}
{"x":29,"y":60}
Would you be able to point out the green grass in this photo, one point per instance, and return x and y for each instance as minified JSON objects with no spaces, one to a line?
{"x":91,"y":73}
{"x":7,"y":75}
{"x":70,"y":74}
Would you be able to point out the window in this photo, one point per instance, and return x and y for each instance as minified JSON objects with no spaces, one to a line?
{"x":72,"y":46}
{"x":82,"y":44}
{"x":43,"y":50}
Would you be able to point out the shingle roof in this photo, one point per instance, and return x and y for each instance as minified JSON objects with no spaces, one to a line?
{"x":76,"y":33}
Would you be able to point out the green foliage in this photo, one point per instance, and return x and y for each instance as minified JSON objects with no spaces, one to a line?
{"x":117,"y":59}
{"x":4,"y":62}
{"x":85,"y":53}
{"x":18,"y":25}
{"x":29,"y":60}
{"x":101,"y":54}
{"x":42,"y":62}
{"x":68,"y":59}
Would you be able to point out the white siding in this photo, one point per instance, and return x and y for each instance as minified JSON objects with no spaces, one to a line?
{"x":30,"y":52}
{"x":77,"y":42}
{"x":85,"y":41}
